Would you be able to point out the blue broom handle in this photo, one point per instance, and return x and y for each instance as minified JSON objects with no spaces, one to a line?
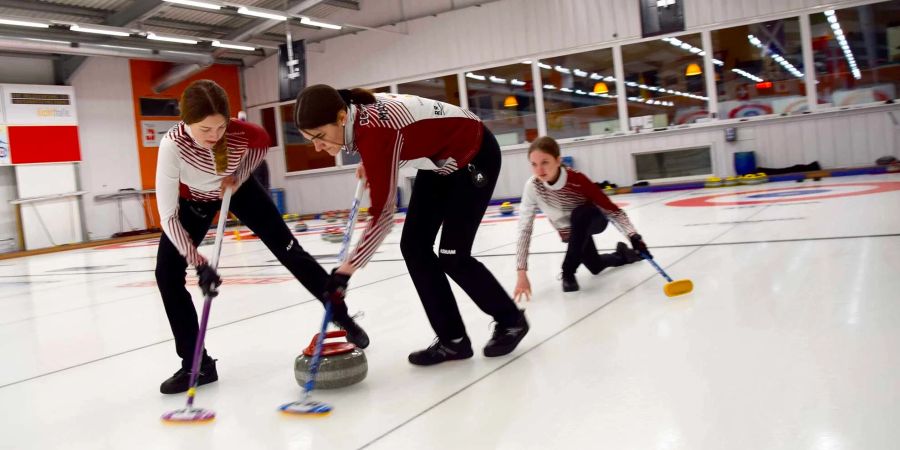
{"x":656,"y":266}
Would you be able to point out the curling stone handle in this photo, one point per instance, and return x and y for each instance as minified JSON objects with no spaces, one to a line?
{"x":328,"y":335}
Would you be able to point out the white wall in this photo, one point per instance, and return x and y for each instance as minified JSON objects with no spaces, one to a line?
{"x":49,"y":222}
{"x":508,"y":31}
{"x":26,"y":70}
{"x":108,"y":144}
{"x":8,"y":225}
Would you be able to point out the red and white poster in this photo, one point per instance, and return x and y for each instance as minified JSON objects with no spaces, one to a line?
{"x":41,"y":123}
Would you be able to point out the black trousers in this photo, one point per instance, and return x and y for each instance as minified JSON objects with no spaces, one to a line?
{"x":456,"y":203}
{"x":588,"y":220}
{"x":254,"y":208}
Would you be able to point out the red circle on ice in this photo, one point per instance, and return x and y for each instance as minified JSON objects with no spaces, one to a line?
{"x":867,"y":188}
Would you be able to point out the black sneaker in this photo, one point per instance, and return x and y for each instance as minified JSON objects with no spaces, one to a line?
{"x":178,"y":382}
{"x":439,"y":352}
{"x":627,"y":254}
{"x":506,"y":338}
{"x":569,"y":283}
{"x":355,"y":333}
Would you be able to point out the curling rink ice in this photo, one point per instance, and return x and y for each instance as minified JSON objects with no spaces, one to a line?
{"x":789,"y":340}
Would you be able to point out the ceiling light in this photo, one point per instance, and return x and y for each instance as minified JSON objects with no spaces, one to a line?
{"x":600,"y":88}
{"x":195,"y":3}
{"x":155,"y":37}
{"x":510,"y":102}
{"x":99,"y":30}
{"x":315,"y":23}
{"x":24,"y":23}
{"x":263,"y":14}
{"x":692,"y":70}
{"x":233,"y":46}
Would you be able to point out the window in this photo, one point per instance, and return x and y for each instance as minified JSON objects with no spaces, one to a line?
{"x":673,"y":163}
{"x":444,"y":89}
{"x":503,"y":97}
{"x":759,"y":69}
{"x":299,"y":153}
{"x":857,"y":53}
{"x":664,"y":82}
{"x":580,"y":94}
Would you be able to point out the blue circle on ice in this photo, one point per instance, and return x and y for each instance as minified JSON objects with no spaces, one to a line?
{"x":789,"y":193}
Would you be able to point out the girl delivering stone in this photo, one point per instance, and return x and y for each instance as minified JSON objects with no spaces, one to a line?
{"x":578,"y":209}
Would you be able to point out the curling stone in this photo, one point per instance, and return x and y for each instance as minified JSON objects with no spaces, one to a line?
{"x":342,"y":363}
{"x":363,"y":214}
{"x":730,"y":181}
{"x":301,"y":227}
{"x":330,"y":216}
{"x":507,"y":209}
{"x":333,"y":234}
{"x":762,"y":177}
{"x":713,"y":182}
{"x":609,"y":190}
{"x":290,"y":217}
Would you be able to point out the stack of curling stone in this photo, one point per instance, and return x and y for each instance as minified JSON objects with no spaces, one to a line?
{"x":751,"y":178}
{"x":363,"y":214}
{"x":342,"y":363}
{"x":290,"y":217}
{"x":713,"y":182}
{"x":333,"y":234}
{"x":730,"y":181}
{"x":507,"y":209}
{"x":762,"y":177}
{"x":301,"y":227}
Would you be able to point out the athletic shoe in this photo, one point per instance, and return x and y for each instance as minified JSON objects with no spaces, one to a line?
{"x":439,"y":352}
{"x":355,"y":333}
{"x":179,"y":381}
{"x":506,"y":338}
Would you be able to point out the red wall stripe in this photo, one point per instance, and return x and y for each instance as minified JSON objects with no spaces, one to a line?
{"x":44,"y":144}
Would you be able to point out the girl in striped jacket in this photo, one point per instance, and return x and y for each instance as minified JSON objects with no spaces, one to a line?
{"x":578,"y":209}
{"x":198,"y":159}
{"x":459,"y":161}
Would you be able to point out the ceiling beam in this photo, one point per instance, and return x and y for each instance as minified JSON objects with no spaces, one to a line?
{"x":26,"y":5}
{"x":136,"y":11}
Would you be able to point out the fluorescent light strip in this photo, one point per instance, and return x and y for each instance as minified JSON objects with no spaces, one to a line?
{"x":561,"y":69}
{"x":233,"y":46}
{"x":196,"y":4}
{"x":94,"y":30}
{"x":516,"y":82}
{"x":263,"y":14}
{"x":544,"y":66}
{"x":155,"y":37}
{"x":842,"y":41}
{"x":746,"y":74}
{"x":497,"y":80}
{"x":775,"y":56}
{"x":579,"y":73}
{"x":315,"y":23}
{"x":475,"y":77}
{"x":23,"y":23}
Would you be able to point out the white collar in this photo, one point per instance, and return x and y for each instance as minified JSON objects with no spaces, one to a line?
{"x":560,"y":182}
{"x":349,"y":144}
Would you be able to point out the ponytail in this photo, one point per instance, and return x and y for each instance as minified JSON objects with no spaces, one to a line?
{"x":319,"y":104}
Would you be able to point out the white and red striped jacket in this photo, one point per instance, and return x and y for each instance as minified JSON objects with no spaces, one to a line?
{"x":186,"y":169}
{"x":557,"y":201}
{"x":400,"y":128}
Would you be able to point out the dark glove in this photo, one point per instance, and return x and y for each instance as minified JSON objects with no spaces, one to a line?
{"x":208,"y":280}
{"x":335,"y":288}
{"x":637,"y":243}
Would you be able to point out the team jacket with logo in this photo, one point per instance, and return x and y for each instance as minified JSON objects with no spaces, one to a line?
{"x":571,"y":190}
{"x":400,"y":128}
{"x":186,"y":169}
